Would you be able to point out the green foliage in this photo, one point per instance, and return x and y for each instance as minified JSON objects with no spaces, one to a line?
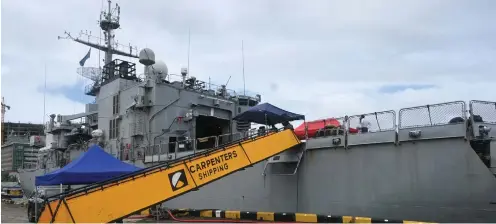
{"x":8,"y":178}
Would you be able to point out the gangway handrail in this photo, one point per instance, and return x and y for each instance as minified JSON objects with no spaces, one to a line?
{"x":245,"y":150}
{"x":150,"y":168}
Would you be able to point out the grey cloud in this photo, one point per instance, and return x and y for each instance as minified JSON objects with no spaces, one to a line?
{"x":334,"y":39}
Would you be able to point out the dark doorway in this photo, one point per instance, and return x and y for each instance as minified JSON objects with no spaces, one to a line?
{"x":207,"y":126}
{"x":172,"y":144}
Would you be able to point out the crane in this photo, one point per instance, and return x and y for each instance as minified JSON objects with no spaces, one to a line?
{"x":4,"y":106}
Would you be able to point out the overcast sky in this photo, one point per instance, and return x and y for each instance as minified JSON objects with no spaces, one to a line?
{"x":319,"y":58}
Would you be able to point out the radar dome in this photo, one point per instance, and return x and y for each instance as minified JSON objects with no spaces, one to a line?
{"x":97,"y":133}
{"x":146,"y":56}
{"x":184,"y":71}
{"x":160,"y":68}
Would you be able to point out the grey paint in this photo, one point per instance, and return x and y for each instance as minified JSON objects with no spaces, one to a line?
{"x":436,"y":180}
{"x":285,"y":163}
{"x":493,"y":157}
{"x":434,"y":132}
{"x":372,"y":138}
{"x":326,"y":142}
{"x":142,"y":126}
{"x":244,"y":190}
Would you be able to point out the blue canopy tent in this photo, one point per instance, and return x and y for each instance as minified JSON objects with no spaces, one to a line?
{"x":267,"y":113}
{"x":93,"y":166}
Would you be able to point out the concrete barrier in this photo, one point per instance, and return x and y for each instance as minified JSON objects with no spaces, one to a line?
{"x":280,"y":216}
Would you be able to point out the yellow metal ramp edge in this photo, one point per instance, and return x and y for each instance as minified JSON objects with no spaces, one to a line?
{"x":112,"y":200}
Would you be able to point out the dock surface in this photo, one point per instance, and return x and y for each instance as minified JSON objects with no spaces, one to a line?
{"x":14,"y":213}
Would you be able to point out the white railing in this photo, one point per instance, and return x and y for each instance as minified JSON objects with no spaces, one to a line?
{"x":162,"y":152}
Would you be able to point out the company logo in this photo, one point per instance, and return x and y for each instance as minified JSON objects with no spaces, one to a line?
{"x":178,"y":180}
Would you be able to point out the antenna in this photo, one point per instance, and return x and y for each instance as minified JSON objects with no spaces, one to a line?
{"x":44,"y":99}
{"x":243,"y":58}
{"x":228,"y":80}
{"x":109,"y":21}
{"x":189,"y":44}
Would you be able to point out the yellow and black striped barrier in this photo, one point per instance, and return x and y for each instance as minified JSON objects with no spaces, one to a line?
{"x":281,"y":216}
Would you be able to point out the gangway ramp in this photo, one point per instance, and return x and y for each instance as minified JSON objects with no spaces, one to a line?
{"x":117,"y":198}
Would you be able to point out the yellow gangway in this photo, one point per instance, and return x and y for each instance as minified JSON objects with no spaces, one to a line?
{"x":117,"y":198}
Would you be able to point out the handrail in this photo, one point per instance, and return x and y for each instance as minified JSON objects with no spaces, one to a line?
{"x":428,"y":107}
{"x":195,"y":148}
{"x":220,"y":137}
{"x":206,"y":139}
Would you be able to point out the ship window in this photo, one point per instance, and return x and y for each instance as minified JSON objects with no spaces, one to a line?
{"x":113,"y":129}
{"x":252,"y":103}
{"x":243,"y":102}
{"x":115,"y":103}
{"x":239,"y":109}
{"x":116,"y":128}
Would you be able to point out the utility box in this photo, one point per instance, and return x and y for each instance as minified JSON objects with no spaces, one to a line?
{"x":37,"y":141}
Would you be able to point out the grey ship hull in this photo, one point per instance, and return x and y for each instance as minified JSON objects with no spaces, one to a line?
{"x":27,"y":178}
{"x":435,"y":180}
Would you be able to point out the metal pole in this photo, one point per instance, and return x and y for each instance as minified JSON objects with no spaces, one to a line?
{"x":159,"y":150}
{"x":189,"y":44}
{"x":377,"y":120}
{"x":44,"y":101}
{"x":306,"y":129}
{"x":176,"y":148}
{"x":429,"y":112}
{"x":35,"y":204}
{"x":243,"y":58}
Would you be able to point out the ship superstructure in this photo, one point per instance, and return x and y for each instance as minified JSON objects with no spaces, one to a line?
{"x":132,"y":112}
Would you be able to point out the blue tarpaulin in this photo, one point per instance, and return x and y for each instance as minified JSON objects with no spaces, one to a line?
{"x":93,"y":166}
{"x":267,"y":113}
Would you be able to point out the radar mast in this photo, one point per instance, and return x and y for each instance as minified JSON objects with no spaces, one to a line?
{"x":109,"y":22}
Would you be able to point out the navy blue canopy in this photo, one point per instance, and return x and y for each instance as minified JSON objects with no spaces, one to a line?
{"x":93,"y":166}
{"x":267,"y":113}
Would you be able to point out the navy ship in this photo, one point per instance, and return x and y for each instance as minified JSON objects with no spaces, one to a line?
{"x":428,"y":163}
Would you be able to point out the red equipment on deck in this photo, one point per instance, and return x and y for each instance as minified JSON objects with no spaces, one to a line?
{"x":316,"y":125}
